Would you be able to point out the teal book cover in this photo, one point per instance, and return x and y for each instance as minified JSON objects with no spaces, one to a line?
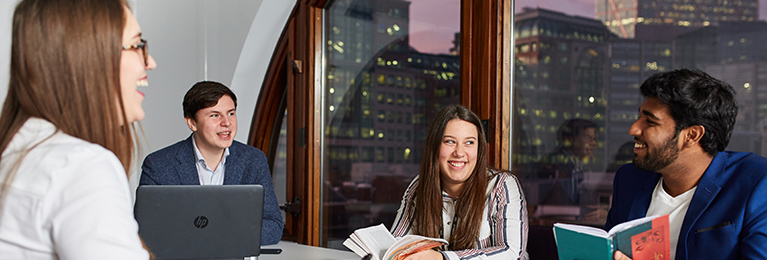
{"x":640,"y":239}
{"x":572,"y":245}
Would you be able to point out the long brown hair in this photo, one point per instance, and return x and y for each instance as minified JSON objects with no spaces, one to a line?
{"x":65,"y":68}
{"x":428,"y":199}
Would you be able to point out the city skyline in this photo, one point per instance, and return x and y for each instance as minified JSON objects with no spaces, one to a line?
{"x":585,"y":8}
{"x":384,"y":82}
{"x":433,"y":31}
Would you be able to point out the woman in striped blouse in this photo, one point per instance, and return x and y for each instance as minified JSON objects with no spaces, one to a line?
{"x":481,"y":212}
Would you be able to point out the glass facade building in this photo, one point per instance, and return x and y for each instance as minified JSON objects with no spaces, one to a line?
{"x":380,"y":95}
{"x":626,"y":18}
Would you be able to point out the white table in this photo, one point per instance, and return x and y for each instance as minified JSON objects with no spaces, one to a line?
{"x":294,"y":251}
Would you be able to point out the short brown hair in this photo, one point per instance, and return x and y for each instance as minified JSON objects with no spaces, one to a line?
{"x":205,"y":94}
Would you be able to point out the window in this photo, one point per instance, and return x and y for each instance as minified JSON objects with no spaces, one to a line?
{"x":279,"y":171}
{"x":334,"y":67}
{"x":415,"y":73}
{"x":586,"y":74}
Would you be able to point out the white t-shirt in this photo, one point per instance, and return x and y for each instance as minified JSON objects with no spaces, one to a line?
{"x":69,"y":199}
{"x":676,"y":207}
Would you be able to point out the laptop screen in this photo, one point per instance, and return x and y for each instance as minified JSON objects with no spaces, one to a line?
{"x":200,"y":221}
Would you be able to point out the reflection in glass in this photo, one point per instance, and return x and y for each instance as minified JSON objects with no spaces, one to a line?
{"x":559,"y":113}
{"x":279,"y":171}
{"x":585,"y":60}
{"x":380,"y":94}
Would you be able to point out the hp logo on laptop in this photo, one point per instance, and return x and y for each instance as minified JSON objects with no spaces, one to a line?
{"x":200,"y":222}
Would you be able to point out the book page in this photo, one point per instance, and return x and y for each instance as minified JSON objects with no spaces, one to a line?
{"x":356,"y":248}
{"x":411,"y":244}
{"x":375,"y":240}
{"x":598,"y":232}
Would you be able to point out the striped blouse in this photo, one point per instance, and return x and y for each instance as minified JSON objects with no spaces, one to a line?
{"x":503,"y":233}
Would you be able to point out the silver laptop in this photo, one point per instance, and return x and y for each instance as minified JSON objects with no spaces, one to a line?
{"x":200,"y":221}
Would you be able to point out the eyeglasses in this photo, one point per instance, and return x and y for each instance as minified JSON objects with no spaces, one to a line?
{"x":142,"y":45}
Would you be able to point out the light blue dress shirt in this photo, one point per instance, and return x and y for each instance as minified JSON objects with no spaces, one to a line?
{"x":208,"y":176}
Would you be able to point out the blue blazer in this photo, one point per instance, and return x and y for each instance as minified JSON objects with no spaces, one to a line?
{"x":175,"y":165}
{"x":727,"y":217}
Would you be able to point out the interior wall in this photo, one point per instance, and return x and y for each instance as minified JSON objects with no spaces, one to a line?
{"x":227,"y":41}
{"x":6,"y":13}
{"x":230,"y":41}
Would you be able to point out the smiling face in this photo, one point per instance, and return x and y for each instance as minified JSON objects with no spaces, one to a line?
{"x":457,"y":154}
{"x":585,"y":142}
{"x":215,"y":127}
{"x":656,"y":144}
{"x":133,"y":70}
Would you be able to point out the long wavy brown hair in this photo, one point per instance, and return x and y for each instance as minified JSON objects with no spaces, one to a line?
{"x":65,"y":68}
{"x":428,"y":199}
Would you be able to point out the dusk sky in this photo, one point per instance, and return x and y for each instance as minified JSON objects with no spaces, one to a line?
{"x":433,"y":23}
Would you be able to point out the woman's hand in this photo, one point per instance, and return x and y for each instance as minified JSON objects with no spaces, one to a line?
{"x":620,"y":256}
{"x":425,"y":255}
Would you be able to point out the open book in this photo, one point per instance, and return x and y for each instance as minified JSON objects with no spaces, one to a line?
{"x":643,"y":238}
{"x":381,"y":245}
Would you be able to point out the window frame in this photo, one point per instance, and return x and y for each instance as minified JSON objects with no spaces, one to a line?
{"x":294,"y":80}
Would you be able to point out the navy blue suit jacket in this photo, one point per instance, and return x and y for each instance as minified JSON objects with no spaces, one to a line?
{"x":727,"y":217}
{"x":175,"y":165}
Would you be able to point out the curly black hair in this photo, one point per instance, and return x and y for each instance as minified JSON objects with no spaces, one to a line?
{"x":696,"y":98}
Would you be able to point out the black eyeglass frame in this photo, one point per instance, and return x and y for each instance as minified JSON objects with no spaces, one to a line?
{"x":141,"y":45}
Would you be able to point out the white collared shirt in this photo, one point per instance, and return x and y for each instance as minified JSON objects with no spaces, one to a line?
{"x":69,"y":199}
{"x":208,"y":176}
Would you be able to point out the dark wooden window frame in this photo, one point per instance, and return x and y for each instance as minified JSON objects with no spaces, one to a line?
{"x":293,"y":80}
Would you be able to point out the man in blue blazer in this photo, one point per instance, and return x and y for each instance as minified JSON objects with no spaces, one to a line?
{"x":210,"y":156}
{"x":716,"y":199}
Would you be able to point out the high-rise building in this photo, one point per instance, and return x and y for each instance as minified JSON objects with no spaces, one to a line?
{"x":726,"y":43}
{"x":749,"y":79}
{"x":380,"y":94}
{"x":659,"y":36}
{"x":629,"y":41}
{"x":734,"y":53}
{"x":631,"y":62}
{"x":561,"y":71}
{"x":629,"y":18}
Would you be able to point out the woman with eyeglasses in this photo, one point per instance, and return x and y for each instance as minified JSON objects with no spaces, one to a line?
{"x":67,"y":132}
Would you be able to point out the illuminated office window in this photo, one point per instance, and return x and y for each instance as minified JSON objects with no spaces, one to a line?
{"x":588,"y":67}
{"x":409,"y":67}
